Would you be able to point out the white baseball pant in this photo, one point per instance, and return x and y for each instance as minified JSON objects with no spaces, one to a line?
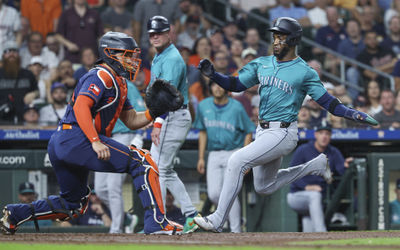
{"x":173,"y":134}
{"x":216,"y":168}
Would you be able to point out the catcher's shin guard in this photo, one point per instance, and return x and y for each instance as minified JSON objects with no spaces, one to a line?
{"x":145,"y":179}
{"x":52,"y":208}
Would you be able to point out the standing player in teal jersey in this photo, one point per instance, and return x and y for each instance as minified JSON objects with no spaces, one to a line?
{"x":108,"y":186}
{"x":170,"y":130}
{"x":284,"y":80}
{"x":224,"y":128}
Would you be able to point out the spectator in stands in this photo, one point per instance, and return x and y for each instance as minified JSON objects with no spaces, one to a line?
{"x":97,"y":214}
{"x":53,"y":45}
{"x":394,"y":10}
{"x":248,"y":55}
{"x":31,"y":115}
{"x":197,"y":91}
{"x":88,"y":58}
{"x":341,"y":94}
{"x":190,"y":32}
{"x":65,"y":75}
{"x":394,"y":206}
{"x":317,"y":14}
{"x":330,"y":35}
{"x":36,"y":66}
{"x":306,"y":195}
{"x":79,"y":27}
{"x":396,"y":74}
{"x":230,"y":33}
{"x":184,"y":7}
{"x":117,"y":18}
{"x":368,"y":22}
{"x":393,"y":39}
{"x":235,"y":59}
{"x":10,"y":28}
{"x":373,"y":92}
{"x":318,"y":114}
{"x":377,"y":57}
{"x":52,"y":113}
{"x":353,"y":44}
{"x":27,"y":194}
{"x":18,"y":86}
{"x":202,"y":49}
{"x":252,"y":40}
{"x":43,"y":15}
{"x":288,"y":9}
{"x":389,"y":117}
{"x":384,"y":4}
{"x":303,"y":118}
{"x":35,"y":48}
{"x":145,"y":9}
{"x":221,"y":62}
{"x":352,"y":47}
{"x":217,"y":40}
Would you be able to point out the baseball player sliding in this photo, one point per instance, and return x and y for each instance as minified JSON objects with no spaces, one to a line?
{"x":81,"y":142}
{"x":284,"y":80}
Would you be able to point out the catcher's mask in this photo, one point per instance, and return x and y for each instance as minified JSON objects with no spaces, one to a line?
{"x":121,"y":53}
{"x":289,"y":26}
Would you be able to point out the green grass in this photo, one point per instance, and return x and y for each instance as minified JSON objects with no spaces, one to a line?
{"x":353,"y":242}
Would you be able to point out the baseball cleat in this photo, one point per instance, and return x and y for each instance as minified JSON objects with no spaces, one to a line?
{"x":205,"y":224}
{"x":321,"y":164}
{"x":172,"y":228}
{"x":5,"y":226}
{"x":190,"y":226}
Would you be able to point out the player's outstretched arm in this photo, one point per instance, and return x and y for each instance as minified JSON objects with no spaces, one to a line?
{"x":230,"y":83}
{"x":135,"y":120}
{"x":334,"y":106}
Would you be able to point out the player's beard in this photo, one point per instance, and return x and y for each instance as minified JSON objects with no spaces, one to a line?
{"x":282,"y":54}
{"x":11,"y":67}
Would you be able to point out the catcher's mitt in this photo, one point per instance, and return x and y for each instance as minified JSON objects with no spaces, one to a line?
{"x":162,"y":97}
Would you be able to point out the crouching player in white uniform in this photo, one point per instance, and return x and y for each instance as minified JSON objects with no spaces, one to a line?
{"x":224,"y":127}
{"x":284,"y":80}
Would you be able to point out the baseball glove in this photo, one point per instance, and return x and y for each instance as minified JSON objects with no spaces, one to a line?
{"x":162,"y":97}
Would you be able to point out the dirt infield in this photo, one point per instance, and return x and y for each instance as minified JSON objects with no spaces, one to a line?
{"x":211,"y":239}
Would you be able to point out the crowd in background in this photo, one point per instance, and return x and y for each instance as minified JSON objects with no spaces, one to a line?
{"x":47,"y":45}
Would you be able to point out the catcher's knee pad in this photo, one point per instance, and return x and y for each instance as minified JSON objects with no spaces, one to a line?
{"x":145,"y":179}
{"x":52,"y":208}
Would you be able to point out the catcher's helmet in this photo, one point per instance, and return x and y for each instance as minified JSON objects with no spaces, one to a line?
{"x":157,"y":24}
{"x":289,"y":26}
{"x":126,"y":64}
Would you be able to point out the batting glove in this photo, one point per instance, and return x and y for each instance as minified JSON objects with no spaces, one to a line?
{"x":362,"y":117}
{"x":206,"y":68}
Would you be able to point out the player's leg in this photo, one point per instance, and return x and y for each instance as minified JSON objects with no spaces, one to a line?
{"x":114,"y":184}
{"x":268,"y":178}
{"x":307,"y":224}
{"x":215,"y":175}
{"x":100,"y":186}
{"x":268,"y":146}
{"x":173,"y":134}
{"x":72,"y":201}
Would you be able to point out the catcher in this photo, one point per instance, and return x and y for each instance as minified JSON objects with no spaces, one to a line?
{"x":81,"y":142}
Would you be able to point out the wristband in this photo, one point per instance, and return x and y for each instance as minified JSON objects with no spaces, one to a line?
{"x":148,"y":116}
{"x":158,"y":122}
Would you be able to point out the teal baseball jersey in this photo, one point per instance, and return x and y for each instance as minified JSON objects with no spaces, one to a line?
{"x":169,"y":65}
{"x":395,"y":212}
{"x":283,"y":86}
{"x":226,"y":126}
{"x":138,"y":104}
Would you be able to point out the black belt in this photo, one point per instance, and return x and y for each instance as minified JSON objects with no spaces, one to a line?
{"x":265,"y":124}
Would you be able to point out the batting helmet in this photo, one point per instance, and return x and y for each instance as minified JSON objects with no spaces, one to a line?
{"x":157,"y":24}
{"x":126,"y":64}
{"x":290,"y":27}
